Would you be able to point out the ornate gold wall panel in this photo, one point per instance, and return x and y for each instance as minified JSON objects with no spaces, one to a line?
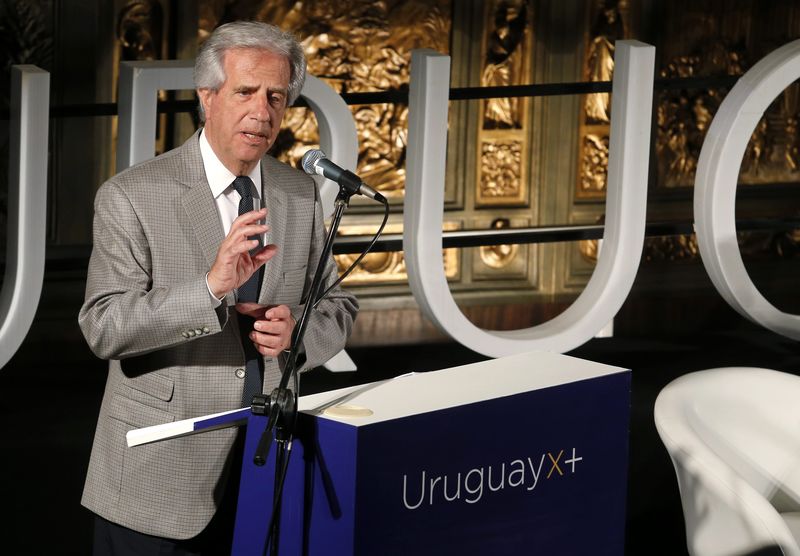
{"x":698,"y":38}
{"x":390,"y":267}
{"x":503,"y":129}
{"x":714,"y":38}
{"x":507,"y":261}
{"x":355,"y":46}
{"x":520,"y":161}
{"x":607,"y":25}
{"x":140,"y":35}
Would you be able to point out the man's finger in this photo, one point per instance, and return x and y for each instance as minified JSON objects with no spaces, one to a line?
{"x":265,"y":254}
{"x":249,"y":230}
{"x":278,"y":312}
{"x":249,"y":217}
{"x":251,"y":309}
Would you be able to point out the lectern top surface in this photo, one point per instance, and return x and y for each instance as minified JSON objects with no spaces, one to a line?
{"x":416,"y":393}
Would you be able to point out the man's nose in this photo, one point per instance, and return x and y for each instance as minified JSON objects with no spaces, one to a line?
{"x":260,"y":110}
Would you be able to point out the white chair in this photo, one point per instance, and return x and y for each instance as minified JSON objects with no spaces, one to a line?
{"x":734,"y":438}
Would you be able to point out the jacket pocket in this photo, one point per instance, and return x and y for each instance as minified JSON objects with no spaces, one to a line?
{"x":291,"y":288}
{"x":137,"y":414}
{"x":153,"y":384}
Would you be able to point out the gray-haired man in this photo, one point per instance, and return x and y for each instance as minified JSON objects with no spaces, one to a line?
{"x":174,"y":250}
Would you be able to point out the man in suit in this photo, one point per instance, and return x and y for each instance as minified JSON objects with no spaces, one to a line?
{"x":177,"y":241}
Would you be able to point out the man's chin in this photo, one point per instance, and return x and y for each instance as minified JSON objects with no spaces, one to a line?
{"x":250,"y":155}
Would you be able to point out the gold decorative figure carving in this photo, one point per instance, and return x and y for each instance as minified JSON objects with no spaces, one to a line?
{"x":607,"y":26}
{"x":140,"y":36}
{"x":503,"y":130}
{"x":356,"y":46}
{"x":683,"y":116}
{"x":499,"y":256}
{"x":671,"y":248}
{"x":594,"y":163}
{"x":388,"y":267}
{"x":504,"y":63}
{"x":500,"y":169}
{"x":606,"y":30}
{"x":139,"y":30}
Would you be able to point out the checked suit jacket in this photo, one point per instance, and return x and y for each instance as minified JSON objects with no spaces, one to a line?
{"x":171,"y":354}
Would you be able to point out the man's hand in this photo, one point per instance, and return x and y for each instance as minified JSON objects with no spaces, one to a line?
{"x":273,"y":327}
{"x":234,"y":264}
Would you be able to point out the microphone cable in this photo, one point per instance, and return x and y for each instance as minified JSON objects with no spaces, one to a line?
{"x":363,"y":254}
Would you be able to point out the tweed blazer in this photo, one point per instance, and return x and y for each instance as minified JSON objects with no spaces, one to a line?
{"x":171,"y":354}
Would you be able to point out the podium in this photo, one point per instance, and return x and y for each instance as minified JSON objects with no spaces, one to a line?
{"x":522,"y":454}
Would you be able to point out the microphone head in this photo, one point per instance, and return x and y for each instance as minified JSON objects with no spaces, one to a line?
{"x":310,"y":160}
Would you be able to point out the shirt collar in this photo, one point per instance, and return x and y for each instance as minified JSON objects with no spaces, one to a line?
{"x":218,"y":176}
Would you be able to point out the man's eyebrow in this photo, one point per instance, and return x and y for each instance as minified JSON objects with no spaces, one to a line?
{"x":244,"y":88}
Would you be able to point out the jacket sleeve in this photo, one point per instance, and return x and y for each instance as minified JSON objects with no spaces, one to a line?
{"x":330,"y":323}
{"x":124,"y":314}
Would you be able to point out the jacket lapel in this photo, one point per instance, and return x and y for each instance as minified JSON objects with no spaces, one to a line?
{"x":275,"y":199}
{"x":198,"y":202}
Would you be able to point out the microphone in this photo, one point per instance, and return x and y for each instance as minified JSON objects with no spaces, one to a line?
{"x":316,"y":163}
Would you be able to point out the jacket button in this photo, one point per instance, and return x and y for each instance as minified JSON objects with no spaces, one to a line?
{"x":185,"y":334}
{"x":198,"y":331}
{"x":239,"y":373}
{"x":190,"y":333}
{"x":206,"y":330}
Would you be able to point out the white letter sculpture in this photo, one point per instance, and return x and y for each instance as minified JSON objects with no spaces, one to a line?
{"x":625,"y":209}
{"x":715,"y":187}
{"x":27,"y":206}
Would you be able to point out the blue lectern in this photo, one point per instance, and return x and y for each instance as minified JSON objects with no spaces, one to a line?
{"x":522,"y":454}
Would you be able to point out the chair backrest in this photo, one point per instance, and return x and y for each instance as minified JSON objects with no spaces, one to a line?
{"x":734,"y":438}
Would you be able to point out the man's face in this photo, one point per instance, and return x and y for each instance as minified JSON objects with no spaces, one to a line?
{"x":244,"y":116}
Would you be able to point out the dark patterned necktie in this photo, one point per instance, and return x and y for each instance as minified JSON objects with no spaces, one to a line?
{"x":248,"y":291}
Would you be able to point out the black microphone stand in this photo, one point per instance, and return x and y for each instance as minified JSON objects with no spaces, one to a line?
{"x":281,"y":405}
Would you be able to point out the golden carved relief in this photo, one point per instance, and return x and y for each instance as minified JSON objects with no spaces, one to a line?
{"x":589,"y":250}
{"x":607,"y":25}
{"x":683,"y":116}
{"x":499,"y":256}
{"x":504,"y":63}
{"x":388,"y":267}
{"x":503,"y":129}
{"x":501,"y":171}
{"x":666,"y":248}
{"x":671,"y":248}
{"x":769,"y":245}
{"x":357,"y":46}
{"x":354,"y":46}
{"x":772,"y":155}
{"x":501,"y":262}
{"x":139,"y":30}
{"x":139,"y":35}
{"x":594,"y":163}
{"x":726,"y":43}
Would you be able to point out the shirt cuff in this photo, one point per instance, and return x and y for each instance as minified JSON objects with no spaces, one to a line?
{"x":215,"y":301}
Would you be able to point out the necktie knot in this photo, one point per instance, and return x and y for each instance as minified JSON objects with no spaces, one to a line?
{"x":243,"y":185}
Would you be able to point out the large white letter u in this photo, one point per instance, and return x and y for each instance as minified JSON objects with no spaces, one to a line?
{"x":625,"y":209}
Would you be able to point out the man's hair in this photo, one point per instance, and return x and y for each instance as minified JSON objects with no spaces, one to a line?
{"x":209,"y":72}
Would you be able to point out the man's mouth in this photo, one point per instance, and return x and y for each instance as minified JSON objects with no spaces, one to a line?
{"x":254,"y":138}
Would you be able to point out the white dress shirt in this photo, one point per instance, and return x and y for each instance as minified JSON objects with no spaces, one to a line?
{"x":220,"y":180}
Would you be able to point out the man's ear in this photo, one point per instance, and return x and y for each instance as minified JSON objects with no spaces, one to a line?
{"x":206,"y":96}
